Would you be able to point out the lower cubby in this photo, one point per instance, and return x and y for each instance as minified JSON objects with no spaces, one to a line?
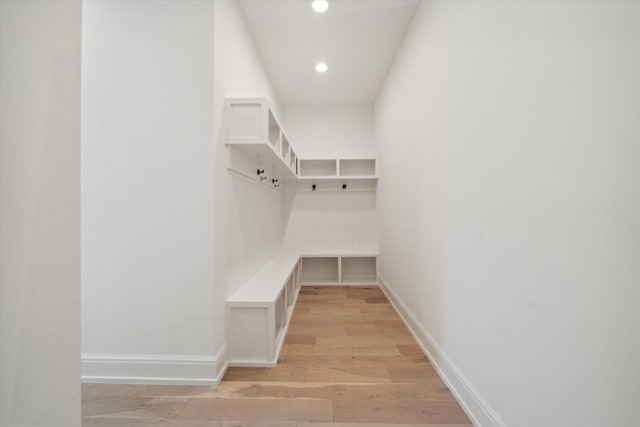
{"x":319,"y":269}
{"x":359,"y":270}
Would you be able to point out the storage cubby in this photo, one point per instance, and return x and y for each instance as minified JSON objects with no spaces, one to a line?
{"x":324,"y":167}
{"x":253,"y":129}
{"x":358,"y":167}
{"x":353,"y":268}
{"x":320,"y":269}
{"x":284,"y":148}
{"x":358,"y":270}
{"x":274,"y":131}
{"x":293,"y":162}
{"x":244,"y":121}
{"x":281,"y":312}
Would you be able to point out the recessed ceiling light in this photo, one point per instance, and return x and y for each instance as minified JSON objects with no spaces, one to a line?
{"x":321,"y":67}
{"x":320,"y":6}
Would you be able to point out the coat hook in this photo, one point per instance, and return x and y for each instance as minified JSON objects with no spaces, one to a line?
{"x":313,"y":187}
{"x":344,"y":186}
{"x":260,"y":171}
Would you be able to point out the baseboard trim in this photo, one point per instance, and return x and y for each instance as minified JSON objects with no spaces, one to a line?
{"x":253,"y":364}
{"x":353,"y":284}
{"x":151,"y":369}
{"x":475,"y":406}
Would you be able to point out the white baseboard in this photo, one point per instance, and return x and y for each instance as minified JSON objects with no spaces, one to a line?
{"x":353,"y":284}
{"x":151,"y":369}
{"x":475,"y":406}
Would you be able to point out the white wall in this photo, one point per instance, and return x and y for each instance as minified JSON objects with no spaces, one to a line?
{"x":148,"y":291}
{"x":249,"y":216}
{"x":40,"y":213}
{"x":330,"y":219}
{"x":330,"y":130}
{"x":512,"y":130}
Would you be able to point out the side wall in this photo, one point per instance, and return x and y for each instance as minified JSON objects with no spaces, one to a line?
{"x":330,"y":130}
{"x":249,"y":215}
{"x":512,"y":129}
{"x":330,"y":219}
{"x":40,"y":213}
{"x":151,"y":311}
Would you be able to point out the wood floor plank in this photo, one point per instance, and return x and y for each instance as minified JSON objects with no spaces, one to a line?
{"x":410,"y":411}
{"x":267,"y":410}
{"x":348,"y":375}
{"x":379,"y":425}
{"x":335,"y":391}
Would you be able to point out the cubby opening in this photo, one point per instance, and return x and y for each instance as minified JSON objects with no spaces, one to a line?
{"x":318,"y":167}
{"x":291,"y":291}
{"x":281,"y":312}
{"x":359,"y":270}
{"x":293,"y":160}
{"x":357,"y":167}
{"x":284,"y":148}
{"x":274,"y":131}
{"x":244,"y":121}
{"x":320,"y":269}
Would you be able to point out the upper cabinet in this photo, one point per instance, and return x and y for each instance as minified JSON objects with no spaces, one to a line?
{"x":352,"y":168}
{"x":253,"y":129}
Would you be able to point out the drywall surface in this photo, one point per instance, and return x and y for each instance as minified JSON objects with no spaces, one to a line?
{"x":40,"y":213}
{"x":512,"y":130}
{"x":333,"y":220}
{"x":256,"y":221}
{"x":148,"y":289}
{"x":318,"y":131}
{"x":249,"y":215}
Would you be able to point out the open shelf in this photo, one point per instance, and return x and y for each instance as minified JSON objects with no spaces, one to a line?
{"x":285,"y":148}
{"x":318,"y":167}
{"x":359,"y":270}
{"x":274,"y":131}
{"x":358,"y":167}
{"x":341,"y":268}
{"x":320,"y":269}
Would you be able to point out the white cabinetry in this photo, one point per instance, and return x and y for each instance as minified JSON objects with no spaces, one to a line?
{"x":337,"y":269}
{"x":258,"y":148}
{"x":341,"y":169}
{"x":257,"y":140}
{"x":259,"y":312}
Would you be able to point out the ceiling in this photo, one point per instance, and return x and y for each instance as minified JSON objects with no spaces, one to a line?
{"x":357,"y":39}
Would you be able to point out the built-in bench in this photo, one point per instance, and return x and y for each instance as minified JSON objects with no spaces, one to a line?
{"x":259,"y":312}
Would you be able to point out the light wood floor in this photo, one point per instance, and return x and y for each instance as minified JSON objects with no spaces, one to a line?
{"x":347,"y":361}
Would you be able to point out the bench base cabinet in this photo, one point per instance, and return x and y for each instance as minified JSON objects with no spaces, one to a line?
{"x":339,"y":270}
{"x":259,"y":313}
{"x":256,"y":329}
